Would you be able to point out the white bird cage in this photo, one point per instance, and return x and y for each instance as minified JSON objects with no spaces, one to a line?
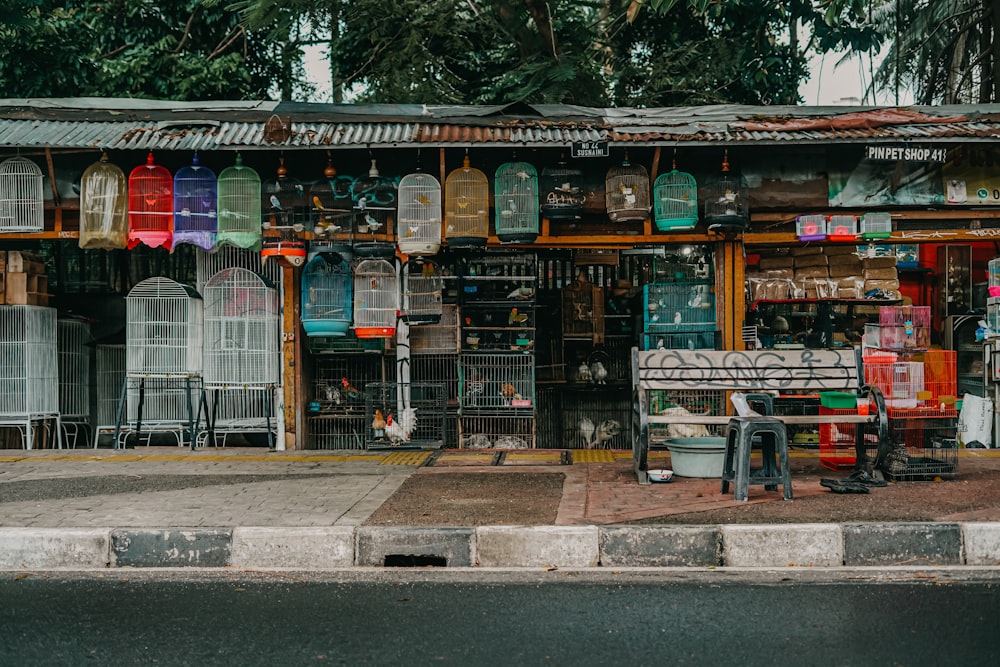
{"x":29,"y":368}
{"x":163,"y":329}
{"x":103,"y":206}
{"x":423,"y":285}
{"x":562,"y":192}
{"x":466,"y":207}
{"x":74,"y":369}
{"x":196,"y":193}
{"x":109,"y":375}
{"x":876,"y":226}
{"x":21,"y":207}
{"x":419,"y":215}
{"x":241,"y":330}
{"x":515,"y":196}
{"x":727,"y":201}
{"x":626,"y":192}
{"x":675,"y":201}
{"x":376,"y":299}
{"x":326,"y":296}
{"x":239,"y":206}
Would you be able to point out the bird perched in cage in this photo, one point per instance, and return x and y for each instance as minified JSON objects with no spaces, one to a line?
{"x":517,"y":318}
{"x":330,"y":393}
{"x":510,"y":442}
{"x":522,"y":293}
{"x":605,"y":432}
{"x":276,"y":203}
{"x":424,"y":199}
{"x":677,"y":317}
{"x":586,"y":429}
{"x":350,"y":391}
{"x":378,"y":423}
{"x":373,"y":224}
{"x":318,"y":203}
{"x":583,"y":373}
{"x":599,"y":373}
{"x":299,"y":189}
{"x":678,"y":429}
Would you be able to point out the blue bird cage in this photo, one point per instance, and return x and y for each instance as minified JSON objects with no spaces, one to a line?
{"x":675,"y":201}
{"x":326,"y":296}
{"x":239,"y":206}
{"x":515,"y":191}
{"x":196,"y":194}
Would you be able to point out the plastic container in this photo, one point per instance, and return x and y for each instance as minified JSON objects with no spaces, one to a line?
{"x":838,"y":400}
{"x":810,"y":227}
{"x":697,"y":457}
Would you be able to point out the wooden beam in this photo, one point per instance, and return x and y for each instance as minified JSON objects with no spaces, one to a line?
{"x":908,"y":236}
{"x":52,"y":177}
{"x":289,"y":367}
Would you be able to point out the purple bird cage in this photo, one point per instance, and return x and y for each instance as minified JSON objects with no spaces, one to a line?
{"x":195,"y":206}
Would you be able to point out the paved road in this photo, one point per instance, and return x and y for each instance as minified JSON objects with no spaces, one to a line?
{"x":501,"y":618}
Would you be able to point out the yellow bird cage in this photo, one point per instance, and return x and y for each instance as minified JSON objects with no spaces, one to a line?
{"x":467,"y":207}
{"x":103,"y":206}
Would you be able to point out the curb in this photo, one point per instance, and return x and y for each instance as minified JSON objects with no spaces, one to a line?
{"x":330,"y":548}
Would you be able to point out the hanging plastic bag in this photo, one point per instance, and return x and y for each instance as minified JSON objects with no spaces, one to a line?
{"x":975,"y":422}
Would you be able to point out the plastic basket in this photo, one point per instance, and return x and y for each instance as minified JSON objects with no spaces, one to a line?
{"x":837,"y":441}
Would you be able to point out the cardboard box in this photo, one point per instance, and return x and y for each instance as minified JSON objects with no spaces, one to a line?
{"x":16,"y":292}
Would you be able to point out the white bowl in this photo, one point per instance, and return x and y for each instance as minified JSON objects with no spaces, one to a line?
{"x":660,"y":475}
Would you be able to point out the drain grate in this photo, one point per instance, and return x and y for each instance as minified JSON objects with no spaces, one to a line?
{"x":412,"y":560}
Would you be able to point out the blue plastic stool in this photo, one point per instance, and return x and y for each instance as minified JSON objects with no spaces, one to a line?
{"x":741,"y":435}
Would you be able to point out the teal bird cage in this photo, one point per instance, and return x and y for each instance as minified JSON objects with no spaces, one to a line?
{"x":239,"y":206}
{"x":326,"y":296}
{"x":515,"y":197}
{"x":675,"y":201}
{"x":196,"y":194}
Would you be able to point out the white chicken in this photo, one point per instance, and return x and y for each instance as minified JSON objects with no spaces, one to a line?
{"x":599,"y":373}
{"x":399,"y":432}
{"x":681,"y":430}
{"x":478,"y":441}
{"x":583,"y":373}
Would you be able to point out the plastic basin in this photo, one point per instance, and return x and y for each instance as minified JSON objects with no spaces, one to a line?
{"x":697,"y":457}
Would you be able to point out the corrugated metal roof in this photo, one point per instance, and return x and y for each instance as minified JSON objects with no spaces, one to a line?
{"x":146,"y":125}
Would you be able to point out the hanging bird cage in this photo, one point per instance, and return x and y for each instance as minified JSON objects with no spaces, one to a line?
{"x":285,"y":203}
{"x":423,"y":285}
{"x":326,"y":295}
{"x":515,"y":191}
{"x":419,"y":227}
{"x":241,"y":330}
{"x":150,"y":205}
{"x":29,"y":371}
{"x":73,"y":335}
{"x":332,"y":227}
{"x":626,"y":192}
{"x":374,"y":198}
{"x":562,"y":192}
{"x":727,"y":201}
{"x":466,"y":207}
{"x":675,"y":201}
{"x":376,"y":299}
{"x":103,"y":206}
{"x":21,"y":208}
{"x":196,"y":192}
{"x":163,"y":329}
{"x":239,"y":206}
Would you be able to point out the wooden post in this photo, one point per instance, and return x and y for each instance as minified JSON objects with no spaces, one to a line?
{"x":291,"y":355}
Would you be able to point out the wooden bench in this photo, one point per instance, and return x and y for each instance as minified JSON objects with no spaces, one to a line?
{"x":687,"y":372}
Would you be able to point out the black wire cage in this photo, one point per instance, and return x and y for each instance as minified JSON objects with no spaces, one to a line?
{"x":405,"y":415}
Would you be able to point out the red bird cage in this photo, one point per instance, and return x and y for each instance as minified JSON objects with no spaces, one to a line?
{"x":150,"y":205}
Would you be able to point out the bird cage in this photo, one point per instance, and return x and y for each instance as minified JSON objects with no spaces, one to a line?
{"x":675,"y":201}
{"x":583,"y":310}
{"x":150,"y":205}
{"x":466,"y":207}
{"x":241,"y":330}
{"x":163,"y":329}
{"x":562,"y":192}
{"x":727,"y":201}
{"x":376,"y":299}
{"x":332,"y":224}
{"x":515,"y":192}
{"x":626,"y":192}
{"x":29,"y":371}
{"x":196,"y":192}
{"x":73,"y":335}
{"x":419,"y":219}
{"x":423,"y":285}
{"x":876,"y":226}
{"x":21,"y":208}
{"x":843,"y":228}
{"x":109,"y":375}
{"x":810,"y":227}
{"x":239,"y":206}
{"x":103,"y":206}
{"x":326,"y":295}
{"x":374,"y":198}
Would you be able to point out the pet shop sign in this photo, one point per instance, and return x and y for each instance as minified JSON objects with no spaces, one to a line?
{"x":589,"y":149}
{"x":882,"y":153}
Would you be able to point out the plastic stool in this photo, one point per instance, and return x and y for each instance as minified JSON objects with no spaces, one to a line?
{"x":740,"y":438}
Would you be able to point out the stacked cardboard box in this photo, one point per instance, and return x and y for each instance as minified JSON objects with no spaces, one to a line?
{"x":25,"y":282}
{"x":846,"y":271}
{"x":880,"y":273}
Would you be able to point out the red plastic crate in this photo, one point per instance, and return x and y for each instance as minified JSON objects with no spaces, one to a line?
{"x":923,"y":386}
{"x":836,"y":441}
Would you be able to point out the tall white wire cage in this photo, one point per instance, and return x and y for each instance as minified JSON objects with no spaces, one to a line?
{"x":103,"y":206}
{"x":376,"y":299}
{"x":626,"y":192}
{"x":239,"y":219}
{"x":21,"y":207}
{"x":515,"y":197}
{"x":29,"y":370}
{"x":74,"y":378}
{"x":423,"y":286}
{"x":326,"y":296}
{"x":419,"y":215}
{"x":109,"y":377}
{"x":196,"y":193}
{"x":675,"y":201}
{"x":466,"y":207}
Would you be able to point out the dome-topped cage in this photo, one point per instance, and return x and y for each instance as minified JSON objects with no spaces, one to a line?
{"x":332,"y":215}
{"x":626,"y":192}
{"x":150,"y":205}
{"x":196,"y":193}
{"x":374,"y":198}
{"x":675,"y":201}
{"x":241,"y":330}
{"x":419,"y":218}
{"x":727,"y":201}
{"x":515,"y":194}
{"x":423,"y":285}
{"x":163,"y":329}
{"x":326,"y":295}
{"x":239,"y":206}
{"x":376,"y":299}
{"x":562,"y":192}
{"x":21,"y":204}
{"x":103,"y":206}
{"x":466,"y":207}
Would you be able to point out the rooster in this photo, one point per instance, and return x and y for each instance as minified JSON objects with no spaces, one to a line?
{"x":605,"y":433}
{"x":509,"y":392}
{"x":400,"y":432}
{"x":350,"y":391}
{"x":378,"y":424}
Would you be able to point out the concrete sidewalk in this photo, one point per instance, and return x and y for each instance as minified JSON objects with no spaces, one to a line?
{"x":162,"y":507}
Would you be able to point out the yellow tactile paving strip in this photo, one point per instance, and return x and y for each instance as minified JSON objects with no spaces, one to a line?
{"x":406,"y":459}
{"x":593,"y":456}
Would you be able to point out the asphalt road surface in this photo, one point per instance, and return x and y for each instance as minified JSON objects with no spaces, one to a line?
{"x":427,"y":617}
